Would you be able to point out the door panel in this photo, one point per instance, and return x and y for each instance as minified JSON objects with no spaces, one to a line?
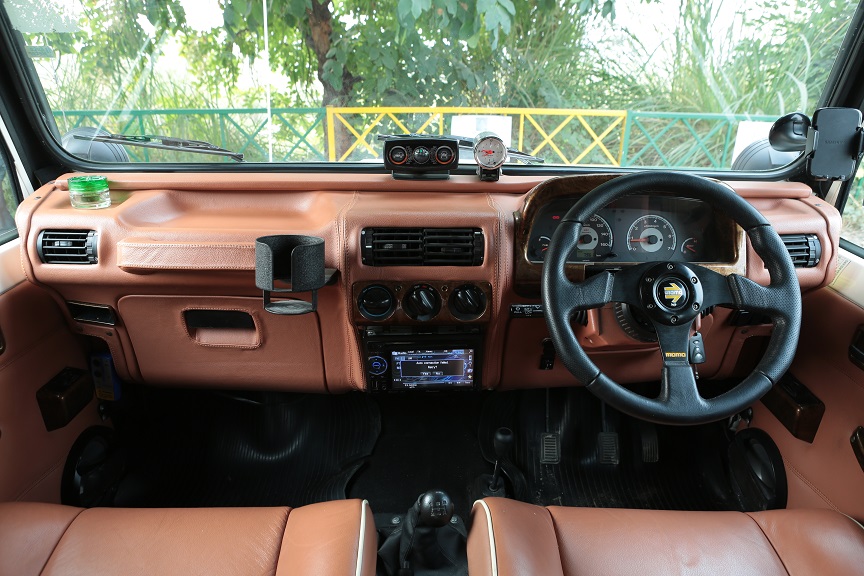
{"x":825,"y":473}
{"x":38,"y":345}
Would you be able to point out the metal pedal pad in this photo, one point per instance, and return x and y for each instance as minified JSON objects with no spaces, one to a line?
{"x":608,"y":451}
{"x":550,"y":448}
{"x":650,"y":444}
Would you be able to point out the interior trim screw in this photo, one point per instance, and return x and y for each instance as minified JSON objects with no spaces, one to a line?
{"x":694,"y":280}
{"x":669,"y":266}
{"x":649,"y":279}
{"x":396,"y":520}
{"x":673,"y":319}
{"x":695,"y":306}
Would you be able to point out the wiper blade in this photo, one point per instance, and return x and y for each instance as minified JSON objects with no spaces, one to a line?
{"x":165,"y":143}
{"x":465,"y":142}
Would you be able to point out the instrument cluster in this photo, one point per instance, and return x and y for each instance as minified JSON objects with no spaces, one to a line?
{"x":640,"y":228}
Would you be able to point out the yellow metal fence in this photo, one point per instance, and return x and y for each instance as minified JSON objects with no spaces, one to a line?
{"x":573,"y":136}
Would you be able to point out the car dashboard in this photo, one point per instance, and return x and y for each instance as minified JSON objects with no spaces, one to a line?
{"x":435,"y":284}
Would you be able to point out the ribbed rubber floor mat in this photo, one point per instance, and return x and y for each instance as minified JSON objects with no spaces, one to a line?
{"x":690,"y":473}
{"x":189,"y":448}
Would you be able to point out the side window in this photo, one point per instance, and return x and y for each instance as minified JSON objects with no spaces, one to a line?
{"x":853,"y":213}
{"x":8,"y":199}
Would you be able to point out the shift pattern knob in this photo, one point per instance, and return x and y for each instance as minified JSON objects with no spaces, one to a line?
{"x":435,"y":509}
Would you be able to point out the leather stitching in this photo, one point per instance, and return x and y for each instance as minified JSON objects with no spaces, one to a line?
{"x":770,"y":543}
{"x":557,"y":538}
{"x":282,"y":540}
{"x":499,"y":280}
{"x":59,"y":540}
{"x":811,"y":486}
{"x":258,"y":341}
{"x":342,"y":242}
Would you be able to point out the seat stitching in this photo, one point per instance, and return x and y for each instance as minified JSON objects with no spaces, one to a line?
{"x":362,"y":539}
{"x":492,"y":551}
{"x":557,"y":539}
{"x":774,"y":548}
{"x":811,"y":486}
{"x":57,"y":545}
{"x":281,"y":540}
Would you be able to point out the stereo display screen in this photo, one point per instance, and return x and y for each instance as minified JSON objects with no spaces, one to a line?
{"x":432,"y":369}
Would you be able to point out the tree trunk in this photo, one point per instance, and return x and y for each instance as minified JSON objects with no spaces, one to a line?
{"x":319,"y":39}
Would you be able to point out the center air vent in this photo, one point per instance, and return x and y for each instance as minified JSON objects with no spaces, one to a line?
{"x":422,"y":246}
{"x":805,"y":249}
{"x":67,"y":246}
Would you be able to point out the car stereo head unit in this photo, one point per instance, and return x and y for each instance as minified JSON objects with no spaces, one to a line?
{"x":423,"y":362}
{"x":432,"y":368}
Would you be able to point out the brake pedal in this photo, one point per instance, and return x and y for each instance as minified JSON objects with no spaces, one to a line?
{"x":550,"y":448}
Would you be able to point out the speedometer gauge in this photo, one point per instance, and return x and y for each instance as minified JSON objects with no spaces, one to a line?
{"x":595,"y":240}
{"x":652,"y":235}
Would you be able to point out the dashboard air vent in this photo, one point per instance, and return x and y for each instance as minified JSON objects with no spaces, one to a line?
{"x":67,"y":246}
{"x":422,"y":246}
{"x":805,"y":249}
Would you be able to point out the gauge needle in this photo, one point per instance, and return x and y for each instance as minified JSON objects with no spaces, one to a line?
{"x":690,"y":248}
{"x":488,"y":152}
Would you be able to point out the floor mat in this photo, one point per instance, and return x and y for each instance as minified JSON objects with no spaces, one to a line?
{"x":428,"y":441}
{"x":689,"y":475}
{"x":195,"y":448}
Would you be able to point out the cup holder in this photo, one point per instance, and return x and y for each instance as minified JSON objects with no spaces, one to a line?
{"x":295,"y":262}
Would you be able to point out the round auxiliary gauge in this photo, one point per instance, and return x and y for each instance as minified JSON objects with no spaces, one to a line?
{"x":444,"y":154}
{"x":398,"y":155}
{"x":651,"y":235}
{"x":489,"y":151}
{"x":421,"y":155}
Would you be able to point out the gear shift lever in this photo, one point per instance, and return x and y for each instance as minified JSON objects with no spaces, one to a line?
{"x":432,"y":511}
{"x":502,"y":443}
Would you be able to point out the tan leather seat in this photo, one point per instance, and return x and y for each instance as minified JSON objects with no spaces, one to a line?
{"x":330,"y":538}
{"x":509,"y":537}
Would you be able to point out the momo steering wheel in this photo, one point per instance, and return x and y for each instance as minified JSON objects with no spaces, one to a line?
{"x":671,"y":295}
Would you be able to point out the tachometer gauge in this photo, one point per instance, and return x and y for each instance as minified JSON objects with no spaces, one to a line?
{"x":489,"y":151}
{"x":595,"y":240}
{"x":652,"y":235}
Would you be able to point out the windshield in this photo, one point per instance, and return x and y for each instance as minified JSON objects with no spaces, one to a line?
{"x":630,"y":83}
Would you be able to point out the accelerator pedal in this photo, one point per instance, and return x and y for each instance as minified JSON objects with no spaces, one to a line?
{"x":650,"y":444}
{"x":608,"y":447}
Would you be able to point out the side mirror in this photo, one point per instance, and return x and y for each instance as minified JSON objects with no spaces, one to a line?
{"x":789,"y":133}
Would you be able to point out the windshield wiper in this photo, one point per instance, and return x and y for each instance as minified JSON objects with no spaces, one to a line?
{"x":467,"y":143}
{"x":165,"y":143}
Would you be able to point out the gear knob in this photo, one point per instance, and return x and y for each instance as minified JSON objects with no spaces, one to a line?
{"x":435,"y":509}
{"x":503,"y":443}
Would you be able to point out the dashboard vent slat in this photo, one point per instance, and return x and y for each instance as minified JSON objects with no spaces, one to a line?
{"x":67,"y":246}
{"x":804,"y":249}
{"x":422,"y":246}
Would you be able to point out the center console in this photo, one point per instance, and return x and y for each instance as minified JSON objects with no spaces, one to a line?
{"x":422,"y":335}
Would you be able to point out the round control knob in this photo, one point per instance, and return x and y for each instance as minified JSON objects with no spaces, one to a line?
{"x":467,"y":302}
{"x":422,"y":302}
{"x":376,"y":302}
{"x":377,"y":365}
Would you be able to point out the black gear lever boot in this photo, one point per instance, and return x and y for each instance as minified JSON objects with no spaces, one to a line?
{"x":430,"y":541}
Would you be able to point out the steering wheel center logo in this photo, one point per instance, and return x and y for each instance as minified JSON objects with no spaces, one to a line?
{"x":672,"y":293}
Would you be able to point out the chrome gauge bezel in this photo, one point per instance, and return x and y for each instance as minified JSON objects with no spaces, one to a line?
{"x":490,"y":142}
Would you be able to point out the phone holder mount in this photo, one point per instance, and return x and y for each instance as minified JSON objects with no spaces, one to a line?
{"x":832,"y":143}
{"x":295,"y":261}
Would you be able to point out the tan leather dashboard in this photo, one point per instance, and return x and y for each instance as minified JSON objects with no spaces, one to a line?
{"x":174,"y":242}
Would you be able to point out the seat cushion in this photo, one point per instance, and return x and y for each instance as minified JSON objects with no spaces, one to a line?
{"x":329,"y":538}
{"x":509,"y":538}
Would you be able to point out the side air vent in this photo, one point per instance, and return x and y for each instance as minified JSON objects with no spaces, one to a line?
{"x":422,"y":246}
{"x":805,"y":249}
{"x":67,"y":246}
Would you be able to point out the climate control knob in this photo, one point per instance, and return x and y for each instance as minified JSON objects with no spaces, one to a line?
{"x":422,"y":302}
{"x":467,"y":302}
